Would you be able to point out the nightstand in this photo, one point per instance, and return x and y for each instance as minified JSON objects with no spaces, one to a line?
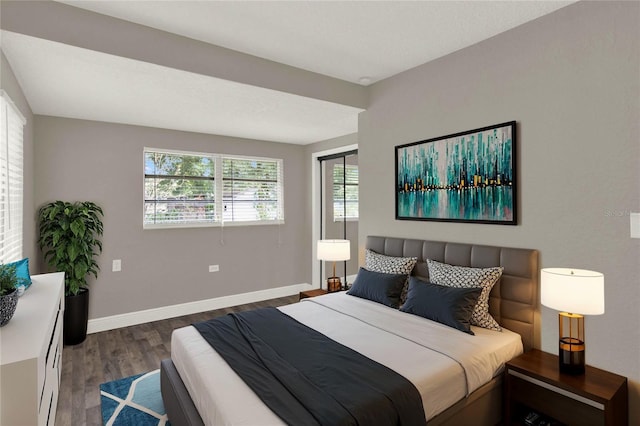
{"x":533,"y":382}
{"x":312,"y":293}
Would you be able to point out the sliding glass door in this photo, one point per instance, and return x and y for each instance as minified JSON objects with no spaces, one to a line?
{"x":339,"y":209}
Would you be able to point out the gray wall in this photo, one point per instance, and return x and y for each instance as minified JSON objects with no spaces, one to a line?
{"x":571,"y":81}
{"x":101,"y":162}
{"x":10,"y":85}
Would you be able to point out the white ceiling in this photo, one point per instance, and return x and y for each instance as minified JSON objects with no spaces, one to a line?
{"x":348,"y":40}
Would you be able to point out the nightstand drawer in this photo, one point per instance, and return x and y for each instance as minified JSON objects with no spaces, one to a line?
{"x":535,"y":384}
{"x":563,"y":406}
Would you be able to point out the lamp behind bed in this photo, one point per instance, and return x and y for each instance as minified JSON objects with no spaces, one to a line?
{"x":334,"y":250}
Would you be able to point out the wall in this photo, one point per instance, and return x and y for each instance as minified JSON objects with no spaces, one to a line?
{"x":571,"y":81}
{"x":10,"y":85}
{"x":102,"y":162}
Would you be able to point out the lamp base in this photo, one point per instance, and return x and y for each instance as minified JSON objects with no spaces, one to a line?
{"x":334,"y":284}
{"x":571,"y":356}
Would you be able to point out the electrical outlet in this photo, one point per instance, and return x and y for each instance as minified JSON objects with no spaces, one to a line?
{"x":214,"y":268}
{"x":117,"y":265}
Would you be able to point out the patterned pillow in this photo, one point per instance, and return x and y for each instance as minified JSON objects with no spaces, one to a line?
{"x":463,"y":277}
{"x":377,"y":262}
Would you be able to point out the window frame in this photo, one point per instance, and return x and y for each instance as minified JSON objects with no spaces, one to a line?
{"x":219,"y":220}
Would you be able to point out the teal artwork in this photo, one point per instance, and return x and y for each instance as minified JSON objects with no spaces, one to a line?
{"x":468,"y":177}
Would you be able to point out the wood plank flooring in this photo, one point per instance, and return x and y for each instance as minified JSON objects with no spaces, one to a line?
{"x":114,"y":354}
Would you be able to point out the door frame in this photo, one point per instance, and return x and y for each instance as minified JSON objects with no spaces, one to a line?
{"x":315,"y":207}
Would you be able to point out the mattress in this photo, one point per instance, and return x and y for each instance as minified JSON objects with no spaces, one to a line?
{"x":444,"y":364}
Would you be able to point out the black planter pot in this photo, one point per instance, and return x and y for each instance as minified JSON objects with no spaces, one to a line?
{"x":76,"y":316}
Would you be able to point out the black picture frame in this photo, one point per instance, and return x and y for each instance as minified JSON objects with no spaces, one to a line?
{"x":469,"y":176}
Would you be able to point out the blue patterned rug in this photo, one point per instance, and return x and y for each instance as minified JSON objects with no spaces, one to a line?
{"x":134,"y":400}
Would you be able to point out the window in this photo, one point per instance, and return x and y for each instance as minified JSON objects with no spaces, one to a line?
{"x":11,"y":187}
{"x":197,"y":189}
{"x":345,"y":192}
{"x":252,"y":190}
{"x":179,"y":188}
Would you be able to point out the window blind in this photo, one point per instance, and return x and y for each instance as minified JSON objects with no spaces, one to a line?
{"x":252,"y":190}
{"x":11,"y":180}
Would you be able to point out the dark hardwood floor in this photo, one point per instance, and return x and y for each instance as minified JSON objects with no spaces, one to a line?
{"x":113,"y":354}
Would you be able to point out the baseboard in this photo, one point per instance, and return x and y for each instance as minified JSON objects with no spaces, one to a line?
{"x":140,"y":317}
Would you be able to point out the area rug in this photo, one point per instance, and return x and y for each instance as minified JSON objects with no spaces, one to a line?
{"x":134,"y":400}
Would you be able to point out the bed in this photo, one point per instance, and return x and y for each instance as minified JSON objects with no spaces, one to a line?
{"x":196,"y":383}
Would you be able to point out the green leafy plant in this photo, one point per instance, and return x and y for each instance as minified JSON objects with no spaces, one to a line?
{"x":8,"y":279}
{"x":69,"y":237}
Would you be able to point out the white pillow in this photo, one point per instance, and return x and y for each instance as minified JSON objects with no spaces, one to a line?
{"x":464,"y":277}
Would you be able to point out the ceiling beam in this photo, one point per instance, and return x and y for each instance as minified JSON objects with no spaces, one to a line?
{"x":82,"y":28}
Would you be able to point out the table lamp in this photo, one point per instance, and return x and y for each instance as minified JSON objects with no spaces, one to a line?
{"x":334,"y":250}
{"x":575,"y":293}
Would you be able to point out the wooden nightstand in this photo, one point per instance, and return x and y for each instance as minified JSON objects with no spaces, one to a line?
{"x":312,"y":293}
{"x":533,"y":382}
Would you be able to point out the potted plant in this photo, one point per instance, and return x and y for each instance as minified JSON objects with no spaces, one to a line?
{"x":8,"y":293}
{"x":69,"y":238}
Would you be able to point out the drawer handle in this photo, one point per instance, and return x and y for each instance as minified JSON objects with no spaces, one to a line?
{"x":55,"y":327}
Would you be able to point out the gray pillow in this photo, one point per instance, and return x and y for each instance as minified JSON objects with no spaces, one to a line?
{"x":378,"y":287}
{"x":464,"y":277}
{"x":447,"y":305}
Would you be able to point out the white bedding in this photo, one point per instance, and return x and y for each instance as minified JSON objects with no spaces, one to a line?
{"x":444,"y":364}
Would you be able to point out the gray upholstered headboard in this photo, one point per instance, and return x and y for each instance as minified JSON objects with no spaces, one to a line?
{"x":514,"y":299}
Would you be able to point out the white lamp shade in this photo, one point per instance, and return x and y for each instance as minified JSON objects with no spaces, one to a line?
{"x":576,"y":291}
{"x":334,"y":250}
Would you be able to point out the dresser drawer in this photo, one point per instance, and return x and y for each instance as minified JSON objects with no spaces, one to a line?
{"x":31,"y":352}
{"x":51,"y":380}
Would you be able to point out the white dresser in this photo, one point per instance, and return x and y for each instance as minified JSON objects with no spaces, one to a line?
{"x":31,"y":354}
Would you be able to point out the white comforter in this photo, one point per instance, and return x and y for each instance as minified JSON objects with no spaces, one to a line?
{"x":444,"y":364}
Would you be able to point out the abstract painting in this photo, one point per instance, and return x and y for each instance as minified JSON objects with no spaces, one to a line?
{"x":463,"y":177}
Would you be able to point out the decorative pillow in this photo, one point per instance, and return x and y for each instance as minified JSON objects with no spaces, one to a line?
{"x":378,"y":287}
{"x":22,"y":271}
{"x":447,"y":305}
{"x":390,"y":265}
{"x":464,"y":277}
